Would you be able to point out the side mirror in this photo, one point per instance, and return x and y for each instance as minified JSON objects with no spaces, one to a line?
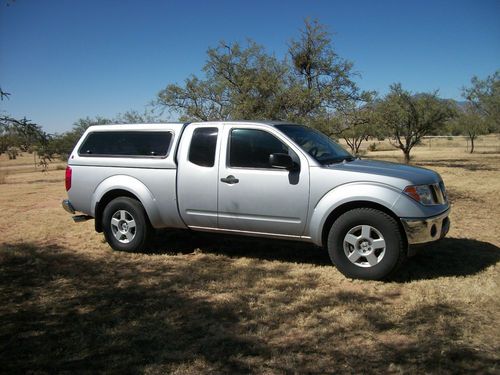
{"x":282,"y":161}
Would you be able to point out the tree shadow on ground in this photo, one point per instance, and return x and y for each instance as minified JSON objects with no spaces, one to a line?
{"x":62,"y":312}
{"x":425,"y":340}
{"x":448,"y":257}
{"x":65,"y":312}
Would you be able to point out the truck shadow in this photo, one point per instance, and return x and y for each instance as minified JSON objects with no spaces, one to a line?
{"x":448,"y":257}
{"x":186,"y":242}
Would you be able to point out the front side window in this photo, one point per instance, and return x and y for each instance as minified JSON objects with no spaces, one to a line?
{"x":250,"y":148}
{"x":202,"y":148}
{"x":126,"y":143}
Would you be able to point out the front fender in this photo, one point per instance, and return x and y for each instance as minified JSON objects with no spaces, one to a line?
{"x":133,"y":186}
{"x":384,"y":195}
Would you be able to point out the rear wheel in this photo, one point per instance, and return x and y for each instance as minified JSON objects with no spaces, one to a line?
{"x":125,"y":225}
{"x":366,"y":243}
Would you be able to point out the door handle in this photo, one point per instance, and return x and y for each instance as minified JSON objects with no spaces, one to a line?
{"x":230,"y":180}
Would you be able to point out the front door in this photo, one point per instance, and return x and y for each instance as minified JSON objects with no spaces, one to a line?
{"x":253,"y":196}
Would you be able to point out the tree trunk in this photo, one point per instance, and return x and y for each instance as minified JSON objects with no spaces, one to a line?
{"x":356,"y":148}
{"x":407,"y":156}
{"x":472,"y":144}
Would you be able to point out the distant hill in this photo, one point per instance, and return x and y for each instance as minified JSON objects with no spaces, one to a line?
{"x":460,"y":103}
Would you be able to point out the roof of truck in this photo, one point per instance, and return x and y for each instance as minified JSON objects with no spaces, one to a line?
{"x":159,"y":126}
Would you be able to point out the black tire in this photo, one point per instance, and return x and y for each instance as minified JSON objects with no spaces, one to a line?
{"x":348,"y":239}
{"x":125,"y":225}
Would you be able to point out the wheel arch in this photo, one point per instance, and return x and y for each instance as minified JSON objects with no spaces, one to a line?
{"x":126,"y":186}
{"x":343,"y":208}
{"x":349,"y":196}
{"x":103,"y":202}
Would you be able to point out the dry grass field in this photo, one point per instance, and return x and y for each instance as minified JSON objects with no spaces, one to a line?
{"x":200,"y":303}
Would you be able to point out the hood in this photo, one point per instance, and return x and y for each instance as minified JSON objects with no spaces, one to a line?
{"x":399,"y":175}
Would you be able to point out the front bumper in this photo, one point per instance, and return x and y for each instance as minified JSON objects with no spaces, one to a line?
{"x":427,"y":229}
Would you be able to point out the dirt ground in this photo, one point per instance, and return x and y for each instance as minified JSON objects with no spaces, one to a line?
{"x":199,"y":303}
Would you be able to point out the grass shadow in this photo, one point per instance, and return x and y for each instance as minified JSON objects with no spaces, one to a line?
{"x":449,"y":257}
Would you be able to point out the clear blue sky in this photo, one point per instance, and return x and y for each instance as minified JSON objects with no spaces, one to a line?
{"x":63,"y":60}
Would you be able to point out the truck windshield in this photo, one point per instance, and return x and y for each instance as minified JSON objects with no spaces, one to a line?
{"x":316,"y":144}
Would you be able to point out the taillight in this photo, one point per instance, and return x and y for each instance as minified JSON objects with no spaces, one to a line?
{"x":68,"y":177}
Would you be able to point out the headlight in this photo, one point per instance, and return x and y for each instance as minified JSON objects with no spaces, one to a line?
{"x":443,"y":191}
{"x":421,"y":193}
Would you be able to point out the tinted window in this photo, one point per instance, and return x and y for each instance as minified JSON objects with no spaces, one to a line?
{"x":316,"y":144}
{"x":126,"y":143}
{"x":251,"y":148}
{"x":202,"y":149}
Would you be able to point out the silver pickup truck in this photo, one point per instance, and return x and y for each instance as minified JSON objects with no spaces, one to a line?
{"x":264,"y":179}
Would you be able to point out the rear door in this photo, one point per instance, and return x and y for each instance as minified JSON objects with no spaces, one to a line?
{"x":253,"y":196}
{"x":197,"y":174}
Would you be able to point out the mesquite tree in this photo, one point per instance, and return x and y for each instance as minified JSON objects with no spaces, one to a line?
{"x":246,"y":82}
{"x":484,"y":96}
{"x":408,"y":117}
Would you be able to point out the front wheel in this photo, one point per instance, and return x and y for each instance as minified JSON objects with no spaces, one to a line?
{"x":125,"y":225}
{"x":366,"y":243}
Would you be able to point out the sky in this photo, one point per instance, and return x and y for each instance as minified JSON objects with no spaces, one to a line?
{"x":62,"y":60}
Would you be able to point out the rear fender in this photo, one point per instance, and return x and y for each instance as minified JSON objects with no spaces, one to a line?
{"x":133,"y":186}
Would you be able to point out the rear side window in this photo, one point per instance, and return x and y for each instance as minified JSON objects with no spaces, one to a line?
{"x":126,"y":143}
{"x":202,"y":148}
{"x":250,"y":148}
